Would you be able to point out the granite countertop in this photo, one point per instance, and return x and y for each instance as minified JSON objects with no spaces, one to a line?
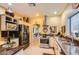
{"x":10,"y":51}
{"x":66,"y":46}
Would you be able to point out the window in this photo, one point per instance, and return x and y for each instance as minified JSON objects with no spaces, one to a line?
{"x":73,"y":24}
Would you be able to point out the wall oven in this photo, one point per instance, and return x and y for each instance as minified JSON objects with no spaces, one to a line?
{"x":11,"y":26}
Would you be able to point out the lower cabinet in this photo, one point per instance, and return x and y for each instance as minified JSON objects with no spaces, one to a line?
{"x":51,"y":42}
{"x":57,"y":49}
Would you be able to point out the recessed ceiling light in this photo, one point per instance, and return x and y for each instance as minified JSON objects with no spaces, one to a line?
{"x":37,"y":14}
{"x":10,"y":4}
{"x":55,"y":12}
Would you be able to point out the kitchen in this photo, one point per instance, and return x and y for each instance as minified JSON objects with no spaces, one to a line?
{"x":39,"y":29}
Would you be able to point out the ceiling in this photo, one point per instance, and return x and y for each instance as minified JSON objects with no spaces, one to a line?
{"x":40,"y":8}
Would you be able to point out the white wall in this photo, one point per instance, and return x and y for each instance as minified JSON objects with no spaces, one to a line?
{"x":64,"y":17}
{"x":54,"y":21}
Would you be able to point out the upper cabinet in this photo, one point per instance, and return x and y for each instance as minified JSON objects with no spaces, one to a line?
{"x":8,"y":23}
{"x":2,"y":11}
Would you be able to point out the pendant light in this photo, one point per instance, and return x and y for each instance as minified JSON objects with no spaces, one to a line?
{"x":9,"y":10}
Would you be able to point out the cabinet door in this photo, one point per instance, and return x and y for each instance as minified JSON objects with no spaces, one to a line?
{"x":3,"y":23}
{"x":19,"y":52}
{"x":51,"y":42}
{"x":57,"y":48}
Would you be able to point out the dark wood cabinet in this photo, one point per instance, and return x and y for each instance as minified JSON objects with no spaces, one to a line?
{"x":45,"y":41}
{"x":23,"y":35}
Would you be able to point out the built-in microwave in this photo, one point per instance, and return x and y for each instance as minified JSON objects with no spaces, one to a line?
{"x":11,"y":26}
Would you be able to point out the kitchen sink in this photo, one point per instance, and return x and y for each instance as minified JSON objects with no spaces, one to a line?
{"x":7,"y":46}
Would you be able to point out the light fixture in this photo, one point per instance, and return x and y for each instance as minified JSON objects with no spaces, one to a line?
{"x":10,"y":7}
{"x":10,"y":10}
{"x":37,"y":14}
{"x":10,"y":4}
{"x":55,"y":12}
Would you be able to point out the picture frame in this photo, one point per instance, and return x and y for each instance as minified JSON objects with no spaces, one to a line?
{"x":53,"y":29}
{"x":63,"y":29}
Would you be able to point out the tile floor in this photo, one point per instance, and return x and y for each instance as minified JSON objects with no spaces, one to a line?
{"x":36,"y":50}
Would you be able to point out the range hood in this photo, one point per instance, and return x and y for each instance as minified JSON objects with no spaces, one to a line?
{"x":45,"y":26}
{"x":45,"y":21}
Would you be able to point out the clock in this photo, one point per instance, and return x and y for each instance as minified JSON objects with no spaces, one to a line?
{"x":75,"y":5}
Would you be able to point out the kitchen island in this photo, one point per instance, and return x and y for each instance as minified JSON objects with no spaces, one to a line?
{"x":10,"y":51}
{"x":68,"y":47}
